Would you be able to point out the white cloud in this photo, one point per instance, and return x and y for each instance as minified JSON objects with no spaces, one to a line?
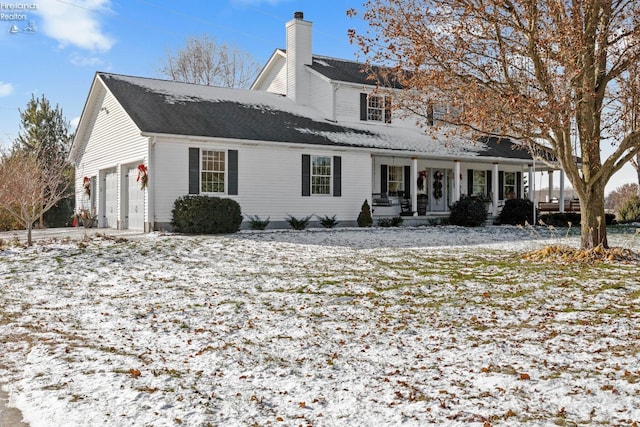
{"x":74,"y":122}
{"x":85,"y":61}
{"x":75,"y":22}
{"x":6,"y":89}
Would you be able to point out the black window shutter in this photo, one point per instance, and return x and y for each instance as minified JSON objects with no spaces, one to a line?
{"x":489,"y":183}
{"x":407,"y":181}
{"x":387,"y":109}
{"x":306,"y":175}
{"x":194,"y":170}
{"x":519,"y":185}
{"x":232,"y":189}
{"x":337,"y":176}
{"x":363,"y":106}
{"x":383,"y":178}
{"x":470,"y":182}
{"x":501,"y":194}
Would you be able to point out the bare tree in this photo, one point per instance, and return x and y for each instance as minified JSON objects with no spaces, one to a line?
{"x":620,"y":195}
{"x":204,"y":61}
{"x":545,"y":73}
{"x":29,"y":186}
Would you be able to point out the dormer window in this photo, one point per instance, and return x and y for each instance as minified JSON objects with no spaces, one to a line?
{"x":375,"y":108}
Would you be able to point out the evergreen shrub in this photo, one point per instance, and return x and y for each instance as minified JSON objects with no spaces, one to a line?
{"x":630,"y":210}
{"x":206,"y":215}
{"x":364,"y":218}
{"x":517,"y":212}
{"x":468,"y":212}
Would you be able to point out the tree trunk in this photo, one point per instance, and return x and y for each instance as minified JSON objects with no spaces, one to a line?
{"x":637,"y":166}
{"x":29,"y":228}
{"x":593,"y":223}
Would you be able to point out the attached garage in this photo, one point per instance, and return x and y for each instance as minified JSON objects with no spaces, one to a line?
{"x":134,"y":201}
{"x":110,"y":194}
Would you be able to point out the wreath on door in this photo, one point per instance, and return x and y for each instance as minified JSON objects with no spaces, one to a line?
{"x":422,"y":176}
{"x":142,"y":178}
{"x":86,"y":185}
{"x":437,"y":185}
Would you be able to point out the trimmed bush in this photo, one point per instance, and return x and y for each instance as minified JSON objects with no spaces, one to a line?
{"x":206,"y":215}
{"x":390,"y":222}
{"x":328,"y":221}
{"x":562,"y":219}
{"x":298,"y":223}
{"x":364,"y":218}
{"x":258,"y":224}
{"x":630,"y":210}
{"x":468,"y":212}
{"x":517,"y":212}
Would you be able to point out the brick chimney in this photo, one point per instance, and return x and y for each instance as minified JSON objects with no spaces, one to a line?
{"x":298,"y":56}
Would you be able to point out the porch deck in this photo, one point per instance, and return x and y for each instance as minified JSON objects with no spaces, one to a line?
{"x":569,"y":206}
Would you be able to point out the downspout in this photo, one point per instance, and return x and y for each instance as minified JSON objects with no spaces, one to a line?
{"x":334,"y":102}
{"x":151,"y":212}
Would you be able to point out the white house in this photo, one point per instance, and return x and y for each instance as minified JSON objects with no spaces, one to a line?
{"x":312,"y":136}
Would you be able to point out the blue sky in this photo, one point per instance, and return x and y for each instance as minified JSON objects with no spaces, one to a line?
{"x":60,"y":44}
{"x":75,"y":38}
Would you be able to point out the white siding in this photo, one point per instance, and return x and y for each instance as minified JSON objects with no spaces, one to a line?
{"x":322,"y":98}
{"x":348,"y":107}
{"x":114,"y":140}
{"x":269,"y":180}
{"x":279,"y":83}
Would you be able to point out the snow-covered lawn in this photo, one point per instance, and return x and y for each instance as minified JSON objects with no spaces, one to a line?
{"x":345,"y":327}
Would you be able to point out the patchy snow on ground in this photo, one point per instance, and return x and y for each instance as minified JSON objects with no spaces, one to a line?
{"x":345,"y":327}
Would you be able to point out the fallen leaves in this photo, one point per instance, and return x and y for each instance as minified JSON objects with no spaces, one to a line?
{"x":555,"y":253}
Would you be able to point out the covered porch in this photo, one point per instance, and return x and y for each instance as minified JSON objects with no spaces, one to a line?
{"x":426,"y":188}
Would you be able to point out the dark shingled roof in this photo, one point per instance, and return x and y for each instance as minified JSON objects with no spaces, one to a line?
{"x":504,"y":148}
{"x":174,"y":108}
{"x":155,"y":111}
{"x":348,"y":71}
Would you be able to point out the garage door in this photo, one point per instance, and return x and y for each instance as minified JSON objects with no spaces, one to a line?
{"x":111,"y":199}
{"x":135,"y":202}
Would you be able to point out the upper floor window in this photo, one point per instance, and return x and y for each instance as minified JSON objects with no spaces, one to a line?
{"x":375,"y":108}
{"x":320,"y":175}
{"x":212,"y":172}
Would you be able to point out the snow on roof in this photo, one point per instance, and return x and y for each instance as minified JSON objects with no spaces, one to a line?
{"x":189,"y":109}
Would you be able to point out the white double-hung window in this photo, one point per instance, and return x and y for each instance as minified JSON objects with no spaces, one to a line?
{"x":212,"y":172}
{"x":320,"y":175}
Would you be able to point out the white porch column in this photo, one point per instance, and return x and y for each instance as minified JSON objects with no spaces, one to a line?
{"x":532,"y":186}
{"x":456,"y":181}
{"x":414,"y":186}
{"x":550,"y":192}
{"x":561,"y":196}
{"x":532,"y":190}
{"x":495,"y":191}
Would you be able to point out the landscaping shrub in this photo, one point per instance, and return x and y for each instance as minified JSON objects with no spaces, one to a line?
{"x":206,"y":215}
{"x":258,"y":224}
{"x":468,"y":212}
{"x":328,"y":221}
{"x":8,"y":222}
{"x":390,"y":222}
{"x":298,"y":223}
{"x":517,"y":212}
{"x":630,"y":210}
{"x":562,"y":219}
{"x":364,"y":218}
